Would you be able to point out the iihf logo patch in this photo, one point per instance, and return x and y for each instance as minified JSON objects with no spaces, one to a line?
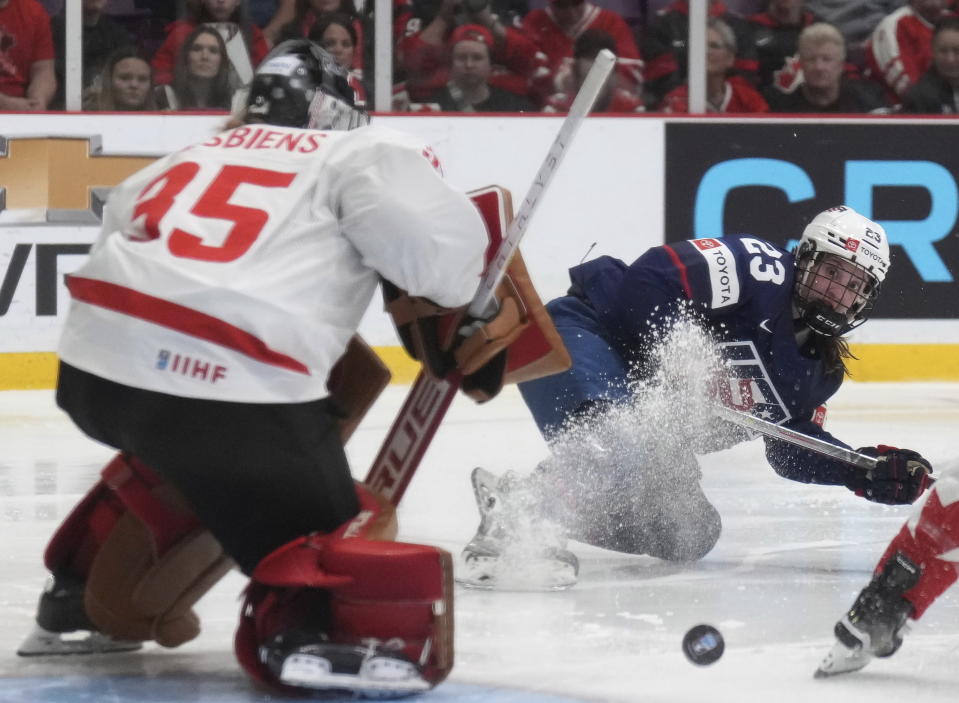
{"x":191,"y":367}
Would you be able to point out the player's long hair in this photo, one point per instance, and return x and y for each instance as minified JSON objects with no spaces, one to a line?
{"x":833,"y":351}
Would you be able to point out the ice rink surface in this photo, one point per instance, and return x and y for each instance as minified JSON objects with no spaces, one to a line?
{"x":790,"y":560}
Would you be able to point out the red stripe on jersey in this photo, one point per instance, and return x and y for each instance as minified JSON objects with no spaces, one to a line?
{"x":177,"y":317}
{"x":682,"y":270}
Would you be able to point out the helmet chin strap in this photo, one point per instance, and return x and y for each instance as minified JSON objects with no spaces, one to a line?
{"x":822,"y":319}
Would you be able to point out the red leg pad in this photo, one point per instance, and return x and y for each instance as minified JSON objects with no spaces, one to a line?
{"x":78,"y":538}
{"x":143,"y":556}
{"x":402,"y":594}
{"x":126,"y":485}
{"x":931,"y":540}
{"x":157,"y":561}
{"x":148,"y":497}
{"x":391,"y":593}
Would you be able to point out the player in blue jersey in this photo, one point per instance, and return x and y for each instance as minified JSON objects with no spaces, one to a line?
{"x":777,"y":319}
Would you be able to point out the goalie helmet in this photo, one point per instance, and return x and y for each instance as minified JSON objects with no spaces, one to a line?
{"x":299,"y":84}
{"x":841,"y":262}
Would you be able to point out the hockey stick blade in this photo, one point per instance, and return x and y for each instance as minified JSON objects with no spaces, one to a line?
{"x":429,"y":398}
{"x":818,"y":446}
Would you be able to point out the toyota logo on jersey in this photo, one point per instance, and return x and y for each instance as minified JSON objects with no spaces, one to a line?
{"x":723,"y":277}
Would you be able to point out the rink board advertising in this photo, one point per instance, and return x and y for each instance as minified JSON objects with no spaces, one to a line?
{"x":770,"y":179}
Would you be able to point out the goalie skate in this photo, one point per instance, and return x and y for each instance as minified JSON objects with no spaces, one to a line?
{"x":514,"y":547}
{"x":62,"y":626}
{"x":43,"y":642}
{"x":369,"y":672}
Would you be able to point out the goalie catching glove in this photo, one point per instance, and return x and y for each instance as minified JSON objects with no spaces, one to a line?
{"x":899,"y":478}
{"x":448,"y":339}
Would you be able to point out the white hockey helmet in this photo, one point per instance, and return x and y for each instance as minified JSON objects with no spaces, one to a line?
{"x":841,"y":233}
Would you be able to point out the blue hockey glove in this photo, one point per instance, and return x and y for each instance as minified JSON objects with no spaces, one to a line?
{"x":900,"y":476}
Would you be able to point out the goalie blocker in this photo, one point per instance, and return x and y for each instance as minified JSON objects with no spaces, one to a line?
{"x":516,"y":341}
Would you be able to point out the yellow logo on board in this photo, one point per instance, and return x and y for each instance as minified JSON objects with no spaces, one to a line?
{"x":59,"y":172}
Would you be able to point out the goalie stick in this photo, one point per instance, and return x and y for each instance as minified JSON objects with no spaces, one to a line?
{"x":430,"y":398}
{"x":769,"y":429}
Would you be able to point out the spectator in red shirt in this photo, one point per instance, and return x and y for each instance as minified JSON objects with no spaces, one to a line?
{"x":556,"y":27}
{"x":614,"y":98}
{"x":900,"y":48}
{"x":423,"y":56}
{"x":222,"y":13}
{"x":27,"y":79}
{"x":469,"y":89}
{"x":724,"y":93}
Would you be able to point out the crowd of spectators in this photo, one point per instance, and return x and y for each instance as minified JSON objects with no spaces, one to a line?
{"x":781,"y":56}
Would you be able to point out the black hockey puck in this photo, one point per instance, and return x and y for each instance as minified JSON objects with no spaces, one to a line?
{"x":703,"y":645}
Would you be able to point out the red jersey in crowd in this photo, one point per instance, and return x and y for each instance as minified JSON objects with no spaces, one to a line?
{"x":900,"y":50}
{"x":517,"y":64}
{"x":739,"y":96}
{"x":25,"y":38}
{"x":541,"y":26}
{"x":617,"y":101}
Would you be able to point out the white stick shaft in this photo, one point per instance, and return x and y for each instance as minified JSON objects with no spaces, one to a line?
{"x":581,"y":107}
{"x":818,"y":446}
{"x":410,"y":435}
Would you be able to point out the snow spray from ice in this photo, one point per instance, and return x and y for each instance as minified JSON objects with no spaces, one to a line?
{"x":625,"y":475}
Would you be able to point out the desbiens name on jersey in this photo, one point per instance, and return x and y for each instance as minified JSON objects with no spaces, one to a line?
{"x":723,"y":277}
{"x":300,"y":142}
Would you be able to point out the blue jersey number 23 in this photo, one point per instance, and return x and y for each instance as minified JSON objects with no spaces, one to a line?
{"x":765,"y":266}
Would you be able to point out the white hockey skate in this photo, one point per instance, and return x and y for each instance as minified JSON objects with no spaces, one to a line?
{"x":515,"y":548}
{"x":876,"y":623}
{"x":362,"y":671}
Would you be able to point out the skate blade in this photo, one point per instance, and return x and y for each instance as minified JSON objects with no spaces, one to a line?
{"x":40,"y":643}
{"x":378,"y":677}
{"x":842,"y":660}
{"x":490,"y":573}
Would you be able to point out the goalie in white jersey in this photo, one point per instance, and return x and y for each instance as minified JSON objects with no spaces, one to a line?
{"x":228,"y":280}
